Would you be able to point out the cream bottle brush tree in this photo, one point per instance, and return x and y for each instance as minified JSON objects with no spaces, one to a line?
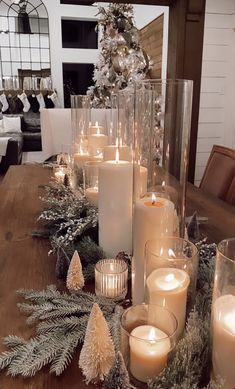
{"x":97,"y":354}
{"x":75,"y":278}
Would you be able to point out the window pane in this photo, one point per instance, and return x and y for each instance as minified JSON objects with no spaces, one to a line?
{"x":35,"y":55}
{"x":5,"y":54}
{"x":79,"y":34}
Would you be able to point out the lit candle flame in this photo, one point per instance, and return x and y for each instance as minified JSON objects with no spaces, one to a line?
{"x":117,"y":155}
{"x":153,"y":198}
{"x":170,"y":277}
{"x":171,"y":254}
{"x":163,"y":183}
{"x":152,"y":335}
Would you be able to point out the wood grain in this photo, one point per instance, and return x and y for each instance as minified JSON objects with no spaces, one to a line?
{"x":24,"y":261}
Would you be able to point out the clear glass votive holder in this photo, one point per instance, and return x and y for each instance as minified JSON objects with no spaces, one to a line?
{"x":91,"y":181}
{"x":171,"y":266}
{"x":148,"y":335}
{"x":111,"y":278}
{"x":223,"y":314}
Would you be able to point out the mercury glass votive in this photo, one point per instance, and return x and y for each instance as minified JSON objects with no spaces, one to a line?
{"x":111,"y":278}
{"x":148,"y":335}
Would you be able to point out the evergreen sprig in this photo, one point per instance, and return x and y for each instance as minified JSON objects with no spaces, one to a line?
{"x":67,"y":216}
{"x":61,"y":324}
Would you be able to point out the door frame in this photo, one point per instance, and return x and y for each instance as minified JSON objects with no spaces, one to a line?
{"x":185,"y":47}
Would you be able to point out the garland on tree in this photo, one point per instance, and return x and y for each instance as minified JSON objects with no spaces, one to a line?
{"x":122,"y":61}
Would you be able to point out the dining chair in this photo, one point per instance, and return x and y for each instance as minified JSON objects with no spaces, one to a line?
{"x":219,"y":175}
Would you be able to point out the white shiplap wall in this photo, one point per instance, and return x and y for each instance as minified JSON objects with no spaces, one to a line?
{"x":217,"y":101}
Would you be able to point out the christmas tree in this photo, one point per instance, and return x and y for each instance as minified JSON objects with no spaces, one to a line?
{"x":75,"y":279}
{"x":97,"y":354}
{"x":122,"y":61}
{"x":118,"y":377}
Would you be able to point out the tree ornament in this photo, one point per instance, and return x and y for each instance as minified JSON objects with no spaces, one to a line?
{"x":75,"y":279}
{"x":118,"y":377}
{"x":97,"y":354}
{"x":121,"y":51}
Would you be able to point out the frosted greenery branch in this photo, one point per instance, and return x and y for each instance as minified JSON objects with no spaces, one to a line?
{"x":61,"y":321}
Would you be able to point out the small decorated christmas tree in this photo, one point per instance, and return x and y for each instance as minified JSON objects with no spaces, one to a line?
{"x":122,"y":61}
{"x":75,"y":279}
{"x":118,"y":377}
{"x":97,"y":354}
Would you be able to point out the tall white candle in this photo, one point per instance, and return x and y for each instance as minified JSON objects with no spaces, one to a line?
{"x":152,"y":219}
{"x":81,"y":158}
{"x":96,"y":141}
{"x":110,"y":152}
{"x":149,"y":348}
{"x":168,"y":287}
{"x":115,"y":206}
{"x":224,"y":339}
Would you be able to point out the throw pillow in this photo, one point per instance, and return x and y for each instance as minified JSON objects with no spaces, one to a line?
{"x":11,"y":124}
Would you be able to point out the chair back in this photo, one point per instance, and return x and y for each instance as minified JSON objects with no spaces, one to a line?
{"x":219,"y":176}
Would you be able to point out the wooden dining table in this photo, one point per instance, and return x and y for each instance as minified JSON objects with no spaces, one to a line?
{"x":24,"y":260}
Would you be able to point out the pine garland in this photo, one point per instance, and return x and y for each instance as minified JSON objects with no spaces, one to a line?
{"x":62,"y":325}
{"x":62,"y":321}
{"x":71,"y":224}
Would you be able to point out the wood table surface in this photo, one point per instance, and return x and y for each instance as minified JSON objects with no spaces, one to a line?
{"x":24,"y":262}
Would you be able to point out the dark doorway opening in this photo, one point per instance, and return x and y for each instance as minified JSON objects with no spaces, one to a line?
{"x":77,"y":77}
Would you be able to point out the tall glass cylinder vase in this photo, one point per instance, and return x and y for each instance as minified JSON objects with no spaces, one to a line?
{"x":161,"y":146}
{"x":80,"y":119}
{"x":223,"y":314}
{"x":116,"y":182}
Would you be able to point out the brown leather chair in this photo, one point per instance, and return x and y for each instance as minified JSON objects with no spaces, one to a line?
{"x":219,"y":176}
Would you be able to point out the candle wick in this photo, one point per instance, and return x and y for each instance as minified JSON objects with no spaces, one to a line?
{"x":153,"y":201}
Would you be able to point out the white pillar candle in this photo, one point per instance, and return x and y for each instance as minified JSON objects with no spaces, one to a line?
{"x":92,"y":195}
{"x":96,"y":141}
{"x":152,"y":219}
{"x":97,"y":128}
{"x":149,"y":348}
{"x":81,"y":158}
{"x":110,"y":152}
{"x":115,"y":207}
{"x":224,"y":339}
{"x":168,"y":288}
